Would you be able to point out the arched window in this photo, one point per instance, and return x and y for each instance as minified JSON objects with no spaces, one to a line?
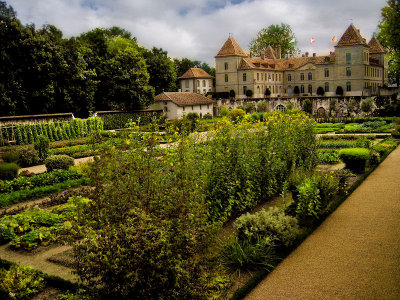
{"x":309,"y":76}
{"x":204,"y":83}
{"x":302,"y":89}
{"x":258,"y":91}
{"x":348,"y":86}
{"x":289,"y":77}
{"x":310,"y":89}
{"x":280,"y":107}
{"x":301,"y":76}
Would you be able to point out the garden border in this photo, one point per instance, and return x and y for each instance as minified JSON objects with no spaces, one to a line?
{"x":242,"y":292}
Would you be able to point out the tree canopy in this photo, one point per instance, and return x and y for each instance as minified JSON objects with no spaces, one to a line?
{"x":273,"y":36}
{"x":389,"y":36}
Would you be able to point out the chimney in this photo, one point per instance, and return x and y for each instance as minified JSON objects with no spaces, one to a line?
{"x":314,"y":55}
{"x":262,"y":55}
{"x":251,"y":54}
{"x":278,"y":50}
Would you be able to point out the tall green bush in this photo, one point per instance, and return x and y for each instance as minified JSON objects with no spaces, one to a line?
{"x":356,"y":159}
{"x":309,"y":200}
{"x":8,"y":171}
{"x":42,"y":146}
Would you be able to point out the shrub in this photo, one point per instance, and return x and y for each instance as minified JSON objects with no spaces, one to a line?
{"x":224,"y":112}
{"x":243,"y":255}
{"x":8,"y":171}
{"x":356,"y":159}
{"x":267,"y":92}
{"x":181,"y":126}
{"x":207,"y":116}
{"x":249,"y":93}
{"x":320,"y":91}
{"x":42,"y":146}
{"x":339,"y":91}
{"x":20,"y":282}
{"x":28,"y":157}
{"x":366,"y":105}
{"x":309,"y":201}
{"x":262,"y":106}
{"x":58,"y":162}
{"x":328,"y":156}
{"x":10,"y":156}
{"x":307,"y":106}
{"x":232,"y":94}
{"x":267,"y":223}
{"x":328,"y":185}
{"x":237,"y":115}
{"x":249,"y":108}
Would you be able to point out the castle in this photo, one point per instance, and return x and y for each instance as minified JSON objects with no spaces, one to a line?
{"x":358,"y":68}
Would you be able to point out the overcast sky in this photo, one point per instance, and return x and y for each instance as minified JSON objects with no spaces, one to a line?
{"x":197,"y":29}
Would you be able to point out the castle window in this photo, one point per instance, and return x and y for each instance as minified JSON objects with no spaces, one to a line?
{"x":326,"y":87}
{"x":348,"y":58}
{"x":262,"y":76}
{"x":310,"y":89}
{"x":289,"y":77}
{"x":198,"y":82}
{"x":226,"y":78}
{"x":273,"y":77}
{"x":244,"y":77}
{"x":204,"y":83}
{"x":244,"y":90}
{"x":326,"y":72}
{"x":309,"y":76}
{"x":186,"y":83}
{"x":269,"y":77}
{"x":279,"y":77}
{"x":226,"y":66}
{"x":302,"y":89}
{"x":302,"y":76}
{"x":258,"y":76}
{"x":348,"y":86}
{"x":348,"y":71}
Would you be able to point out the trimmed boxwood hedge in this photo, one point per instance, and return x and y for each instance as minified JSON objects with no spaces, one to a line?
{"x":62,"y":162}
{"x":8,"y":171}
{"x":356,"y":159}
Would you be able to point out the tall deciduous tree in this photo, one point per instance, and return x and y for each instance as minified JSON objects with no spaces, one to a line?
{"x":389,"y":36}
{"x":273,"y":36}
{"x":6,"y":11}
{"x":161,"y":70}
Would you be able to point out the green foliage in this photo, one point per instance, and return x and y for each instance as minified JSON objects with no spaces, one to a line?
{"x":61,"y":161}
{"x":10,"y":156}
{"x":363,"y":142}
{"x":37,"y":180}
{"x":336,"y":144}
{"x":328,"y":186}
{"x":308,"y":203}
{"x":28,"y":157}
{"x":249,"y":108}
{"x":243,"y":255}
{"x":8,"y":171}
{"x":236,"y":115}
{"x":249,"y":93}
{"x":327,"y":156}
{"x":356,"y":159}
{"x":307,"y":106}
{"x":42,"y":146}
{"x":272,"y":223}
{"x":367,"y":105}
{"x":275,"y":35}
{"x":179,"y":126}
{"x":39,"y":192}
{"x":320,"y":91}
{"x":20,"y":282}
{"x":232,"y":94}
{"x":339,"y":91}
{"x":224,"y":112}
{"x":262,"y":106}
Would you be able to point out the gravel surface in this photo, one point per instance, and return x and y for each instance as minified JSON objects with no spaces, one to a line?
{"x":354,"y":254}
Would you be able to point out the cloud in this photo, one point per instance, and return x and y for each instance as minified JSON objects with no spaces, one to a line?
{"x":198,"y":28}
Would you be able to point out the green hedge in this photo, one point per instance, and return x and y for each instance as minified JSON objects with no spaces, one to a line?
{"x":76,"y":128}
{"x":356,"y":159}
{"x":8,"y":171}
{"x":61,"y":161}
{"x":39,"y":192}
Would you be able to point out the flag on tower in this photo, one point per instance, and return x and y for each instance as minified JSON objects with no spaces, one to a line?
{"x":334,"y":39}
{"x":312,"y":41}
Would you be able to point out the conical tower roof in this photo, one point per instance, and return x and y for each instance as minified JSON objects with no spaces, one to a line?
{"x":375,"y":46}
{"x":351,"y":37}
{"x":230,"y":48}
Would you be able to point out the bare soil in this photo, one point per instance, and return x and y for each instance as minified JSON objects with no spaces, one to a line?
{"x":354,"y":254}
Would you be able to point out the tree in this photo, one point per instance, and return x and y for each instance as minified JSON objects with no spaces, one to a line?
{"x":249,"y":93}
{"x":232,"y":94}
{"x":267,"y":92}
{"x":262,"y":106}
{"x":367,"y":105}
{"x":6,"y":12}
{"x":339,"y":91}
{"x":161,"y":70}
{"x":307,"y":106}
{"x":389,"y":36}
{"x":332,"y":105}
{"x":296,"y":90}
{"x":273,"y":36}
{"x":320,"y":91}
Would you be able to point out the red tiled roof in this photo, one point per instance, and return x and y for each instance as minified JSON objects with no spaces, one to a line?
{"x":195,"y":73}
{"x":231,"y":47}
{"x":270,"y":53}
{"x":183,"y":99}
{"x":351,"y":37}
{"x":375,"y":46}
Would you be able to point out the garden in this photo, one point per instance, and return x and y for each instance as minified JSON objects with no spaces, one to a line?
{"x":197,"y":217}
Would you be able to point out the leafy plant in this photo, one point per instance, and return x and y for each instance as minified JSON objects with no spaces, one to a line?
{"x":309,"y":201}
{"x":58,"y":162}
{"x":20,"y":282}
{"x":356,"y":159}
{"x":271,"y":223}
{"x":42,"y":146}
{"x":28,"y":157}
{"x":8,"y":171}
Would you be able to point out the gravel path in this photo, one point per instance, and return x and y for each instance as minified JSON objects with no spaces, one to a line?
{"x":354,"y":254}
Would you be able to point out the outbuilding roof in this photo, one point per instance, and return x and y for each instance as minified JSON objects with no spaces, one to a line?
{"x":195,"y":73}
{"x":183,"y":98}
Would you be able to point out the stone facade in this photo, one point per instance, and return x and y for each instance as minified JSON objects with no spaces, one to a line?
{"x":355,"y":66}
